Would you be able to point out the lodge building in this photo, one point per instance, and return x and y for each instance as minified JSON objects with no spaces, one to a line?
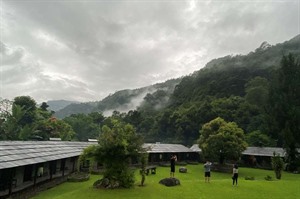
{"x":159,"y":153}
{"x":25,"y":164}
{"x":32,"y":166}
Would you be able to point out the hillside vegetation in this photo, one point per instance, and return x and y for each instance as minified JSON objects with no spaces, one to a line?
{"x":258,"y":91}
{"x":257,"y":94}
{"x":235,"y":88}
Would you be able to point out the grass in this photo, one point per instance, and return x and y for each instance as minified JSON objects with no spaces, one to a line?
{"x":192,"y":187}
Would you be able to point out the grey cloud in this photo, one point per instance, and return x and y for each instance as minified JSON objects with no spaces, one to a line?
{"x":14,"y":71}
{"x":10,"y":56}
{"x":98,"y":47}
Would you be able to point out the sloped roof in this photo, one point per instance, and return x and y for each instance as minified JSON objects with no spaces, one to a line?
{"x":165,"y":148}
{"x":256,"y":151}
{"x":264,"y":151}
{"x":20,"y":153}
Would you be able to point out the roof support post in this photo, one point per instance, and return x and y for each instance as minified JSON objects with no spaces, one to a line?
{"x":35,"y":169}
{"x":73,"y":160}
{"x":10,"y":173}
{"x":51,"y":167}
{"x":63,"y":165}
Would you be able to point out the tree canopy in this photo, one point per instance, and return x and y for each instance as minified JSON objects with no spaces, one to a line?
{"x":119,"y":146}
{"x":21,"y":119}
{"x":221,"y":140}
{"x":284,"y":106}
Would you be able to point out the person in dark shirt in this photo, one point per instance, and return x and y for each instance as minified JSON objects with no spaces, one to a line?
{"x":173,"y":160}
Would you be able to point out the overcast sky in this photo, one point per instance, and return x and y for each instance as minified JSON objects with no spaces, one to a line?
{"x":85,"y":50}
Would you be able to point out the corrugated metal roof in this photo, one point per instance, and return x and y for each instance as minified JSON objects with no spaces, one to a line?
{"x":165,"y":148}
{"x":264,"y":151}
{"x":256,"y":151}
{"x":20,"y":153}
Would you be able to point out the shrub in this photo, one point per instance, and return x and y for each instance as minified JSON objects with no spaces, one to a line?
{"x":277,"y":164}
{"x":268,"y":178}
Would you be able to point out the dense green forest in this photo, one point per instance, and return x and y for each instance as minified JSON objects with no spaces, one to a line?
{"x":258,"y":91}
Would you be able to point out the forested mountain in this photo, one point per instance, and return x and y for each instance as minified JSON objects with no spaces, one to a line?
{"x":235,"y":88}
{"x":125,"y":100}
{"x":56,"y":105}
{"x":228,"y":75}
{"x":75,"y":108}
{"x":256,"y":95}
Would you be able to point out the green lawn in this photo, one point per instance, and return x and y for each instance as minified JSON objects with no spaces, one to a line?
{"x":192,"y":187}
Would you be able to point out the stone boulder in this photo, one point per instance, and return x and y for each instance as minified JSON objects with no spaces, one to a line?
{"x":106,"y":183}
{"x":182,"y":170}
{"x":169,"y":182}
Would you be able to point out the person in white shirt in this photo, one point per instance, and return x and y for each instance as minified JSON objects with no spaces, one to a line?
{"x":207,"y":166}
{"x":235,"y":174}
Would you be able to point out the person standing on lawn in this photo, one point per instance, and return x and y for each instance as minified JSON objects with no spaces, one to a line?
{"x":235,"y":174}
{"x":207,"y":166}
{"x":173,"y":160}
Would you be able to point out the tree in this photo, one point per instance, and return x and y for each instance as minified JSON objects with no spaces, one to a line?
{"x":277,"y":164}
{"x":144,"y":162}
{"x":119,"y":146}
{"x":97,"y":117}
{"x":22,"y":120}
{"x":219,"y":139}
{"x":257,"y":91}
{"x":88,"y":154}
{"x":85,"y":126}
{"x":284,"y":107}
{"x":29,"y":106}
{"x":5,"y":113}
{"x":10,"y":124}
{"x":54,"y":128}
{"x":5,"y":108}
{"x":44,"y":106}
{"x":256,"y":138}
{"x":17,"y":118}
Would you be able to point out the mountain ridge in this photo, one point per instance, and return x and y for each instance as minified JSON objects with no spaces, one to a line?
{"x":264,"y":57}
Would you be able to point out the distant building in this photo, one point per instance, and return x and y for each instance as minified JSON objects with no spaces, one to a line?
{"x":261,"y":156}
{"x":159,"y":152}
{"x":254,"y":156}
{"x":197,"y":151}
